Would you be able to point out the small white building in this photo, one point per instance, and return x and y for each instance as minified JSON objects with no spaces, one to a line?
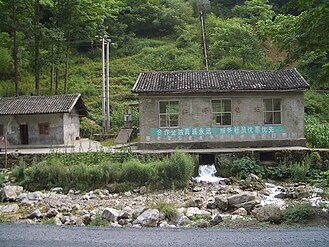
{"x":41,"y":120}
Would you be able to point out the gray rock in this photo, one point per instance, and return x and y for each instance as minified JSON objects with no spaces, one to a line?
{"x":21,"y":197}
{"x":52,"y":213}
{"x":240,"y":212}
{"x":111,"y":214}
{"x":211,"y":203}
{"x":9,"y":208}
{"x":57,"y":190}
{"x":142,"y":190}
{"x":10,"y":192}
{"x":195,"y":202}
{"x":86,"y":219}
{"x":222,"y":203}
{"x":35,"y":196}
{"x":243,"y":200}
{"x":197,"y":189}
{"x":148,"y":218}
{"x":26,"y":203}
{"x":35,"y":214}
{"x":271,"y":213}
{"x":192,"y":212}
{"x":216,"y":220}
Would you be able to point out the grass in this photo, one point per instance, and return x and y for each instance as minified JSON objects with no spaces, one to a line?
{"x":98,"y":170}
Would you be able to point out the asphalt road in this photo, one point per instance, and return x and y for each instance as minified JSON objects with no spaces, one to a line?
{"x":57,"y":236}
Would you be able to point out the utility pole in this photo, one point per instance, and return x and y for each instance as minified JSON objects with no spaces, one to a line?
{"x":107,"y":94}
{"x":105,"y":85}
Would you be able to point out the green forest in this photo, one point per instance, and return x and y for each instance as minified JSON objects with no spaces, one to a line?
{"x":53,"y":47}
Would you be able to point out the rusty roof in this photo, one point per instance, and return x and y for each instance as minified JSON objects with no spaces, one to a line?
{"x":26,"y":105}
{"x":219,"y":81}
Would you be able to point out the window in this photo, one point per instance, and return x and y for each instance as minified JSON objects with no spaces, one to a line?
{"x":169,"y":113}
{"x":272,"y":111}
{"x":1,"y":130}
{"x":44,"y":129}
{"x":221,"y":112}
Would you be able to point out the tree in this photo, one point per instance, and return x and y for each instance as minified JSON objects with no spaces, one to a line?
{"x":233,"y":38}
{"x":254,"y":10}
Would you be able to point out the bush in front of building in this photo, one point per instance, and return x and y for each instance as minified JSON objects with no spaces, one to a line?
{"x":176,"y":170}
{"x":92,"y":171}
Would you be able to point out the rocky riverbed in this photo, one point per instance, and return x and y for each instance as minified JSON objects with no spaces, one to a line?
{"x":247,"y":202}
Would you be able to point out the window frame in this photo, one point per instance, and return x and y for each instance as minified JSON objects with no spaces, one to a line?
{"x":273,"y":111}
{"x":168,"y":114}
{"x":43,"y":129}
{"x":221,"y":113}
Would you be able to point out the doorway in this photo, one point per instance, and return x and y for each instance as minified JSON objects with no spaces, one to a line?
{"x":24,"y":130}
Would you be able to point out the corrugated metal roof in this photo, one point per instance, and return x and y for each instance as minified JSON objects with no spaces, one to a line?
{"x":24,"y":105}
{"x":219,"y":81}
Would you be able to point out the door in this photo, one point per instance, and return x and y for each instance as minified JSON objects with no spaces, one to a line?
{"x":24,"y":134}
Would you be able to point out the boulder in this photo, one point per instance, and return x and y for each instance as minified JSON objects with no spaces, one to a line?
{"x":244,"y":200}
{"x":35,"y":196}
{"x":195,"y":202}
{"x":9,"y":208}
{"x":216,"y":220}
{"x":148,"y":218}
{"x":240,"y":212}
{"x":222,"y":203}
{"x":111,"y":214}
{"x":35,"y":214}
{"x":10,"y":192}
{"x":57,"y":190}
{"x":192,"y":212}
{"x":271,"y":213}
{"x":211,"y":203}
{"x":52,"y":213}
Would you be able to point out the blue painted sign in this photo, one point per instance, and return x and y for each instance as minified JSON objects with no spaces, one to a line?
{"x":222,"y":131}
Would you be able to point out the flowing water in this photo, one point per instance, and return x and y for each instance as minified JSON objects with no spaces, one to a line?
{"x":207,"y":173}
{"x":273,"y":190}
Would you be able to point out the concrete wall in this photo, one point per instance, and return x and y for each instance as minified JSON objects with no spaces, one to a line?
{"x":55,"y":121}
{"x":71,"y":126}
{"x":247,"y":110}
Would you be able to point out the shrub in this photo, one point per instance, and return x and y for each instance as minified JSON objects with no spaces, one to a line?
{"x":88,"y":127}
{"x":245,"y":166}
{"x":176,"y":170}
{"x":225,"y":169}
{"x":99,"y":220}
{"x":316,"y":132}
{"x":299,"y":170}
{"x":281,"y":171}
{"x":168,"y":209}
{"x":298,"y":213}
{"x":135,"y":172}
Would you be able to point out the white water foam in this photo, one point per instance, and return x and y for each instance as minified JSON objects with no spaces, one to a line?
{"x":207,"y":173}
{"x":271,"y":199}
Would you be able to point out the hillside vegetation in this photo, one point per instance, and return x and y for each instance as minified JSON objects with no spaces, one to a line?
{"x":53,"y":47}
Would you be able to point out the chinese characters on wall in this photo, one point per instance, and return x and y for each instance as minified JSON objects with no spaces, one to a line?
{"x":252,"y":132}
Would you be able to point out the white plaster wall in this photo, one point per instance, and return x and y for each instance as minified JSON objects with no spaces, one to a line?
{"x":55,"y":121}
{"x":71,"y":127}
{"x":247,"y":109}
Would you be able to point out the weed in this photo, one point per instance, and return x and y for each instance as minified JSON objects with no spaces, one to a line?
{"x":99,"y":220}
{"x":299,"y":170}
{"x":168,"y":209}
{"x":245,"y":166}
{"x":298,"y":213}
